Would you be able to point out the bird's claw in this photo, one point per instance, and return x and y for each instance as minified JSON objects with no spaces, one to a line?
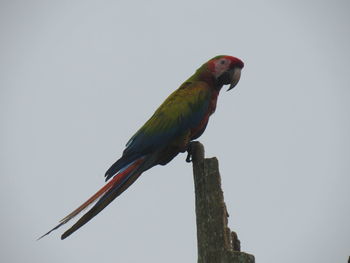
{"x":189,"y":154}
{"x":189,"y":158}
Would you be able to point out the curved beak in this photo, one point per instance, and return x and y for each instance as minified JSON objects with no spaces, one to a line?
{"x":236,"y":75}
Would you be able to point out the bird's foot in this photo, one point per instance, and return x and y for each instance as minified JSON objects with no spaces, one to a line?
{"x":189,"y":153}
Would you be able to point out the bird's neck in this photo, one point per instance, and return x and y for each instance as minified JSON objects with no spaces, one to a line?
{"x":206,"y":76}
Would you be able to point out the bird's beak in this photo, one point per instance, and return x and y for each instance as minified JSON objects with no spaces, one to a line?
{"x":236,"y":75}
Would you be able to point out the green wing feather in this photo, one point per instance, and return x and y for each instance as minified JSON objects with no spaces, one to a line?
{"x":181,"y":111}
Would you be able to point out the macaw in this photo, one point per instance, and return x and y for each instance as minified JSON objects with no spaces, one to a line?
{"x":181,"y":118}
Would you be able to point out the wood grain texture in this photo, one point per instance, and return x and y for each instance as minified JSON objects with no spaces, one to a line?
{"x":216,"y":242}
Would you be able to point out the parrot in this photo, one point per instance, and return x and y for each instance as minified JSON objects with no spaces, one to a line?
{"x":180,"y":119}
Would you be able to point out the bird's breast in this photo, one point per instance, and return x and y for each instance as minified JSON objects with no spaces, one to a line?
{"x":213,"y":100}
{"x":197,"y":131}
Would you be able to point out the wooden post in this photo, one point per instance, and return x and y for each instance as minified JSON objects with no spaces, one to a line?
{"x":216,"y":242}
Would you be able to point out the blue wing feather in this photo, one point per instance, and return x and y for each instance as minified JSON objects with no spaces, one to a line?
{"x":184,"y":109}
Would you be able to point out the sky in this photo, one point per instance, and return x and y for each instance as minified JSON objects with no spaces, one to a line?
{"x":78,"y":78}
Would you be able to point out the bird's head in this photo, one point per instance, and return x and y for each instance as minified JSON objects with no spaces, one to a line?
{"x":226,"y":70}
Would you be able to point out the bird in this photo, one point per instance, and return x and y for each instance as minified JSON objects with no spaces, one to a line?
{"x":180,"y":119}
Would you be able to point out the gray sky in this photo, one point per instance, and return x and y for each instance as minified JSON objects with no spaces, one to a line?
{"x":78,"y":78}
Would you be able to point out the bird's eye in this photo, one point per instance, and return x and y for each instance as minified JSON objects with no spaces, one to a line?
{"x":222,"y":62}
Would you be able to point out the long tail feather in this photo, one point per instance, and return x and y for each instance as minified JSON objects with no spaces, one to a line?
{"x":117,"y":181}
{"x":122,"y":162}
{"x":101,"y":204}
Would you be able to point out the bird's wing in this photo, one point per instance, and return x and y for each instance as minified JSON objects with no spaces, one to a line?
{"x":181,"y":111}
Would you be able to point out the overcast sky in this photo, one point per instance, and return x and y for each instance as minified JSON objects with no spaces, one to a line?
{"x":78,"y":78}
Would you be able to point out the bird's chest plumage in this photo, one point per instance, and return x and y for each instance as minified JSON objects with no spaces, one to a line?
{"x":197,"y":131}
{"x":213,"y":100}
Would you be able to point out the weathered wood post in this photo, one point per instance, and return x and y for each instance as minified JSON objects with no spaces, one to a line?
{"x":216,"y":242}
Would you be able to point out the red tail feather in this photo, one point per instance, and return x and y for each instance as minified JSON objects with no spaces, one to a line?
{"x":116,"y":180}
